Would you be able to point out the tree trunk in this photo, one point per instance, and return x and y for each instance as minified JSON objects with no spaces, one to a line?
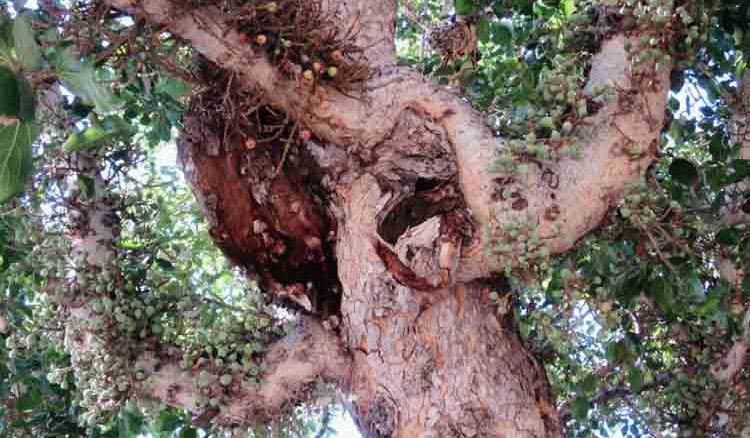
{"x":430,"y":357}
{"x":443,"y":363}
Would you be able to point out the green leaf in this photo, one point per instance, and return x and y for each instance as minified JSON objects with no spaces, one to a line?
{"x":7,"y":46}
{"x":172,"y":87}
{"x":123,"y":428}
{"x":741,"y":170}
{"x":165,"y":264}
{"x":502,"y":32}
{"x":129,"y":423}
{"x":16,"y":97}
{"x":30,"y":400}
{"x":189,"y":432}
{"x":26,"y":105}
{"x":88,"y":187}
{"x":167,"y":421}
{"x":718,"y":151}
{"x":128,"y":244}
{"x":15,"y":157}
{"x":80,"y":79}
{"x":660,"y":289}
{"x":618,"y":352}
{"x":635,"y":379}
{"x":28,"y":52}
{"x":9,"y":93}
{"x":729,"y":236}
{"x":673,"y":104}
{"x":542,"y":10}
{"x":95,"y":136}
{"x":684,"y":172}
{"x":580,"y":407}
{"x":567,"y":7}
{"x":89,"y":138}
{"x":483,"y":30}
{"x":465,"y":7}
{"x":590,"y":383}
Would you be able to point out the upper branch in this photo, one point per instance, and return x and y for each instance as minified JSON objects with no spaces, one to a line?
{"x":331,"y":115}
{"x":374,"y":24}
{"x":562,"y":201}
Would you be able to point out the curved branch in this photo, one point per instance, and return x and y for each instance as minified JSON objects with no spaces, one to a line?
{"x":290,"y":366}
{"x":338,"y":118}
{"x":590,"y":186}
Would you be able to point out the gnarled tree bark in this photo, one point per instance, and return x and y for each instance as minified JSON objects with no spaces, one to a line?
{"x":403,"y":210}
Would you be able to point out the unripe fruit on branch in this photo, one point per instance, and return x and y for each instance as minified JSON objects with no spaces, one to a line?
{"x":226,"y":379}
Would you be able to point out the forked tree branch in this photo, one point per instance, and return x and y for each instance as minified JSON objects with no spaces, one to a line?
{"x":563,"y":201}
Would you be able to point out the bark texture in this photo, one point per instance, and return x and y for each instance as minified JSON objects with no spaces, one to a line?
{"x":390,"y":209}
{"x":442,"y":363}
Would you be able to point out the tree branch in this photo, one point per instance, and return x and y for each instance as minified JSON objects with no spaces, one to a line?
{"x":374,"y":23}
{"x":310,"y":354}
{"x":609,"y":394}
{"x":582,"y":192}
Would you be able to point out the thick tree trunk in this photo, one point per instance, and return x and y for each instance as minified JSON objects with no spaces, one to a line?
{"x":443,"y":363}
{"x":430,"y":357}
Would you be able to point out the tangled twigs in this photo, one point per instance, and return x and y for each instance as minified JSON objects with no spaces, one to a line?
{"x":298,"y":37}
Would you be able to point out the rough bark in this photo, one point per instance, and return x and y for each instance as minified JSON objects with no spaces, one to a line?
{"x":737,"y":213}
{"x":631,"y":120}
{"x":442,"y":363}
{"x":408,"y":210}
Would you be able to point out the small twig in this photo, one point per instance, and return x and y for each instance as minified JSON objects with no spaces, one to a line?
{"x":657,"y":249}
{"x":286,"y":149}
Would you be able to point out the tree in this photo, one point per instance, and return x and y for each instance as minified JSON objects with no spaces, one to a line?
{"x":537,"y":226}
